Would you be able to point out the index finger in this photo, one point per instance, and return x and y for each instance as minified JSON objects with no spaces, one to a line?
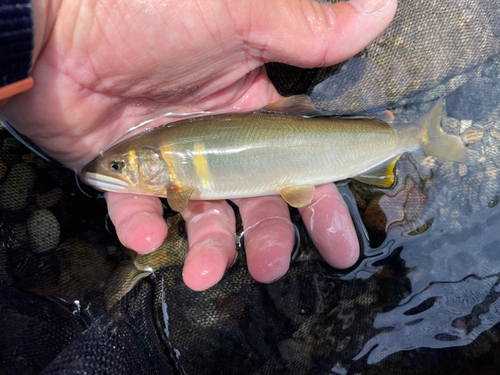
{"x":138,"y":220}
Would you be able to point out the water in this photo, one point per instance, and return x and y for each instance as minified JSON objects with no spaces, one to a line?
{"x":427,"y":280}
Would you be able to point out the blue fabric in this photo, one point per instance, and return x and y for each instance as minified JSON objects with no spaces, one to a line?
{"x":16,"y":40}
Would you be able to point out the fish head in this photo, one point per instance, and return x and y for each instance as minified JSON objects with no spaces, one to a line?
{"x":141,"y":171}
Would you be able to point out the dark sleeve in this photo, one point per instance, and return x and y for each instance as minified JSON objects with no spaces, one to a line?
{"x":16,"y":40}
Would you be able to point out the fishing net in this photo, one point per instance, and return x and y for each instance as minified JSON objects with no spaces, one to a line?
{"x":423,"y":299}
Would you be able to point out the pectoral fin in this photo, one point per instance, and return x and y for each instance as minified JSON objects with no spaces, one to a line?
{"x":178,"y":198}
{"x":382,"y":175}
{"x":298,"y":196}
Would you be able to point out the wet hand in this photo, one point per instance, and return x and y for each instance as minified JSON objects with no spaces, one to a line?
{"x":103,"y":66}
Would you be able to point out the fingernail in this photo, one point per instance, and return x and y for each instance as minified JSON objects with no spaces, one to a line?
{"x":368,"y":6}
{"x":276,"y":279}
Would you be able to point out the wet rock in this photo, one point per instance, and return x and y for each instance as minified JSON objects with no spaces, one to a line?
{"x":29,"y":158}
{"x":296,"y":351}
{"x":477,"y":348}
{"x":4,"y":271}
{"x":61,"y":176}
{"x":82,"y":268}
{"x":493,"y":202}
{"x":374,"y":217}
{"x":44,"y":231}
{"x":450,"y":125}
{"x":462,"y":170}
{"x":367,"y":299}
{"x":11,"y":150}
{"x":50,"y":198}
{"x":403,"y":207}
{"x":493,"y":336}
{"x":429,"y":162}
{"x":465,"y":125}
{"x":20,"y":233}
{"x":343,"y":344}
{"x":17,"y":187}
{"x":495,"y":133}
{"x":472,"y":136}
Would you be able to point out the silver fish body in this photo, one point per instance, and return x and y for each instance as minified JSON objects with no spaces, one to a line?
{"x":252,"y":154}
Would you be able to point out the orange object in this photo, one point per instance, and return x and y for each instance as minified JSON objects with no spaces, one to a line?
{"x":16,"y":88}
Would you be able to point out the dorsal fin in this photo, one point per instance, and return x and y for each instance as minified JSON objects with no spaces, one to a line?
{"x":382,"y":175}
{"x":301,"y":105}
{"x":385,"y":116}
{"x":298,"y":105}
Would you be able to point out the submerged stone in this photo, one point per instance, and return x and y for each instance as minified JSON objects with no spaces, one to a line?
{"x":44,"y":231}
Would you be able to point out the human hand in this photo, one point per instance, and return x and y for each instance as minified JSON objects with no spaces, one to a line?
{"x":103,"y":66}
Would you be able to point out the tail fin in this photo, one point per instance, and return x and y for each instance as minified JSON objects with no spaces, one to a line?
{"x":436,"y":142}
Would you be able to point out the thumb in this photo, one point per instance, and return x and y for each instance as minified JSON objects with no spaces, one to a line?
{"x":307,"y":34}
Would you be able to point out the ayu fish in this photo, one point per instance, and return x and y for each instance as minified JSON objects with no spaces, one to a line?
{"x":286,"y":148}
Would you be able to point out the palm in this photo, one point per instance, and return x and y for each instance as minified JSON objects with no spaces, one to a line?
{"x":109,"y":65}
{"x":92,"y":93}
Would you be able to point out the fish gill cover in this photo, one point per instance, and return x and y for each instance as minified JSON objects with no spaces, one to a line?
{"x":424,"y":298}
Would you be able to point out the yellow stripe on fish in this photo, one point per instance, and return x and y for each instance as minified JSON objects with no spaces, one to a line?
{"x":201,"y":164}
{"x":132,"y":160}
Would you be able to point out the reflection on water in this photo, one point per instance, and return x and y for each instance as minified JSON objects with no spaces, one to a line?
{"x":441,"y":220}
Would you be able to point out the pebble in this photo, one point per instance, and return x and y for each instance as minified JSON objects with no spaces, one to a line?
{"x":477,"y":348}
{"x":17,"y":187}
{"x":462,"y":170}
{"x":44,"y":231}
{"x":450,"y":125}
{"x":472,"y":136}
{"x":343,"y":344}
{"x":367,"y":299}
{"x":429,"y":162}
{"x":495,"y":133}
{"x":464,"y":125}
{"x":50,"y":198}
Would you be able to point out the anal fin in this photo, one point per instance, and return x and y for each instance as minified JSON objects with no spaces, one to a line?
{"x":382,"y":175}
{"x":178,"y":198}
{"x":298,"y":196}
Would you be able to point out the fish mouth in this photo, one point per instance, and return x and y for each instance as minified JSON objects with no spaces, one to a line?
{"x":104,"y":182}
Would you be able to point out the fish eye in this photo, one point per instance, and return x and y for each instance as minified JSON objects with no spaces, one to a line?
{"x":116,"y":164}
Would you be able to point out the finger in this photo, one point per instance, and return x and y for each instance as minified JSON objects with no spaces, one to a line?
{"x":282,"y":30}
{"x":269,"y":236}
{"x":138,"y":221}
{"x":212,"y":243}
{"x":330,"y":226}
